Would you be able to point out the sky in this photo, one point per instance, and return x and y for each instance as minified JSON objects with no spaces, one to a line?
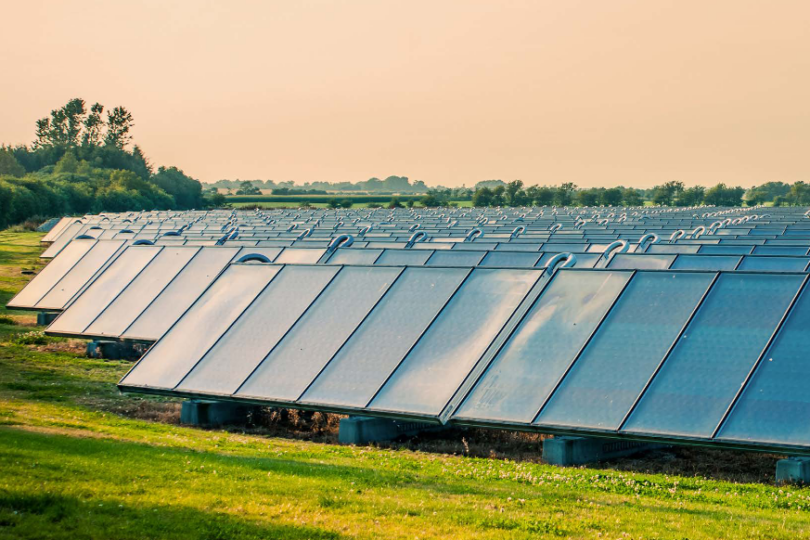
{"x":451,"y":92}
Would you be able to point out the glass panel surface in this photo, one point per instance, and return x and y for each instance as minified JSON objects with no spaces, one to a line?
{"x":354,"y":256}
{"x":309,"y":345}
{"x":439,"y":363}
{"x":404,"y":257}
{"x":672,"y":248}
{"x":545,"y":343}
{"x":300,"y":256}
{"x":168,"y":361}
{"x":104,"y":289}
{"x":63,"y":240}
{"x":384,"y":338}
{"x":145,"y":288}
{"x":705,"y":262}
{"x":696,"y":384}
{"x":775,"y":405}
{"x":725,"y":250}
{"x":455,"y":258}
{"x":52,"y":273}
{"x":611,"y":372}
{"x":186,"y":287}
{"x":514,"y":259}
{"x":623,"y":261}
{"x":774,"y":264}
{"x":779,"y":250}
{"x":258,"y":330}
{"x":80,"y":274}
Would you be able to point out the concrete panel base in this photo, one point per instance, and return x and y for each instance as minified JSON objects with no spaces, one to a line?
{"x":114,"y":350}
{"x":363,"y":430}
{"x":793,"y":470}
{"x":44,"y":318}
{"x":216,"y":413}
{"x":580,"y":450}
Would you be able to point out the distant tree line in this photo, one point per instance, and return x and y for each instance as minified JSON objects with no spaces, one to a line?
{"x":392,"y":184}
{"x":80,"y":162}
{"x":500,"y":193}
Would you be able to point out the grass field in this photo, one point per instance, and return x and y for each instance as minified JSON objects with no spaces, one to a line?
{"x":274,"y":204}
{"x":79,"y":460}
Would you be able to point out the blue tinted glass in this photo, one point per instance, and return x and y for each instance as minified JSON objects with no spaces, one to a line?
{"x":404,"y":257}
{"x":543,"y":346}
{"x":779,"y":250}
{"x":774,"y":264}
{"x":513,"y":259}
{"x":705,"y":262}
{"x":672,"y":248}
{"x":611,"y":373}
{"x":455,"y":258}
{"x":713,"y":356}
{"x":375,"y":349}
{"x":624,"y":261}
{"x":725,"y":250}
{"x":439,"y":363}
{"x":775,"y":405}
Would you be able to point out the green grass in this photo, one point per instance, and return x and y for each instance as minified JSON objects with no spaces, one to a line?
{"x":80,"y":460}
{"x":273,"y":204}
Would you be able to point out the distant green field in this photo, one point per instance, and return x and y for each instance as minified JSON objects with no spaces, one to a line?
{"x":80,"y":460}
{"x":271,"y":202}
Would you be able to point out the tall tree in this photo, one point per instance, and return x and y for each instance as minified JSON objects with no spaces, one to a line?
{"x":119,"y":122}
{"x":93,"y":125}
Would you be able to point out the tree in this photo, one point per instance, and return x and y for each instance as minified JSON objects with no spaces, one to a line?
{"x":666,"y":194}
{"x":68,"y":164}
{"x":9,"y":164}
{"x":632,"y":197}
{"x":395,"y":203}
{"x":247,"y":188}
{"x":186,"y":191}
{"x":722,"y":195}
{"x":611,"y":197}
{"x":93,"y":125}
{"x":564,"y":194}
{"x":588,"y":197}
{"x":691,"y":197}
{"x":514,"y":193}
{"x":333,"y":203}
{"x":799,"y":194}
{"x":119,"y":122}
{"x":482,"y":197}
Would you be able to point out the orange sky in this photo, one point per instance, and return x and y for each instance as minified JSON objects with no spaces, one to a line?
{"x":598,"y":92}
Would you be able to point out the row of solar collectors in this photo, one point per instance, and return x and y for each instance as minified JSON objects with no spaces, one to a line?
{"x":677,"y":356}
{"x":84,"y":260}
{"x":757,"y":263}
{"x":140,"y":294}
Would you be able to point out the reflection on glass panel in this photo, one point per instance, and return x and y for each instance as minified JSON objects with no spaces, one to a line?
{"x":354,"y":256}
{"x":774,"y":264}
{"x":672,"y":248}
{"x":696,"y":384}
{"x":359,"y":369}
{"x":168,"y":361}
{"x":513,"y":259}
{"x":775,"y":405}
{"x":300,"y":256}
{"x":52,"y":273}
{"x":104,"y":289}
{"x":404,"y":257}
{"x":779,"y":250}
{"x":258,"y":329}
{"x":725,"y":250}
{"x":80,"y":274}
{"x":610,"y":374}
{"x":705,"y":262}
{"x":624,"y":261}
{"x":300,"y":356}
{"x":455,"y":258}
{"x":63,"y":240}
{"x":439,"y":363}
{"x":137,"y":296}
{"x":186,"y":287}
{"x":545,"y":343}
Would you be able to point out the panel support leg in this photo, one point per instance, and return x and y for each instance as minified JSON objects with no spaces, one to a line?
{"x":581,"y":450}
